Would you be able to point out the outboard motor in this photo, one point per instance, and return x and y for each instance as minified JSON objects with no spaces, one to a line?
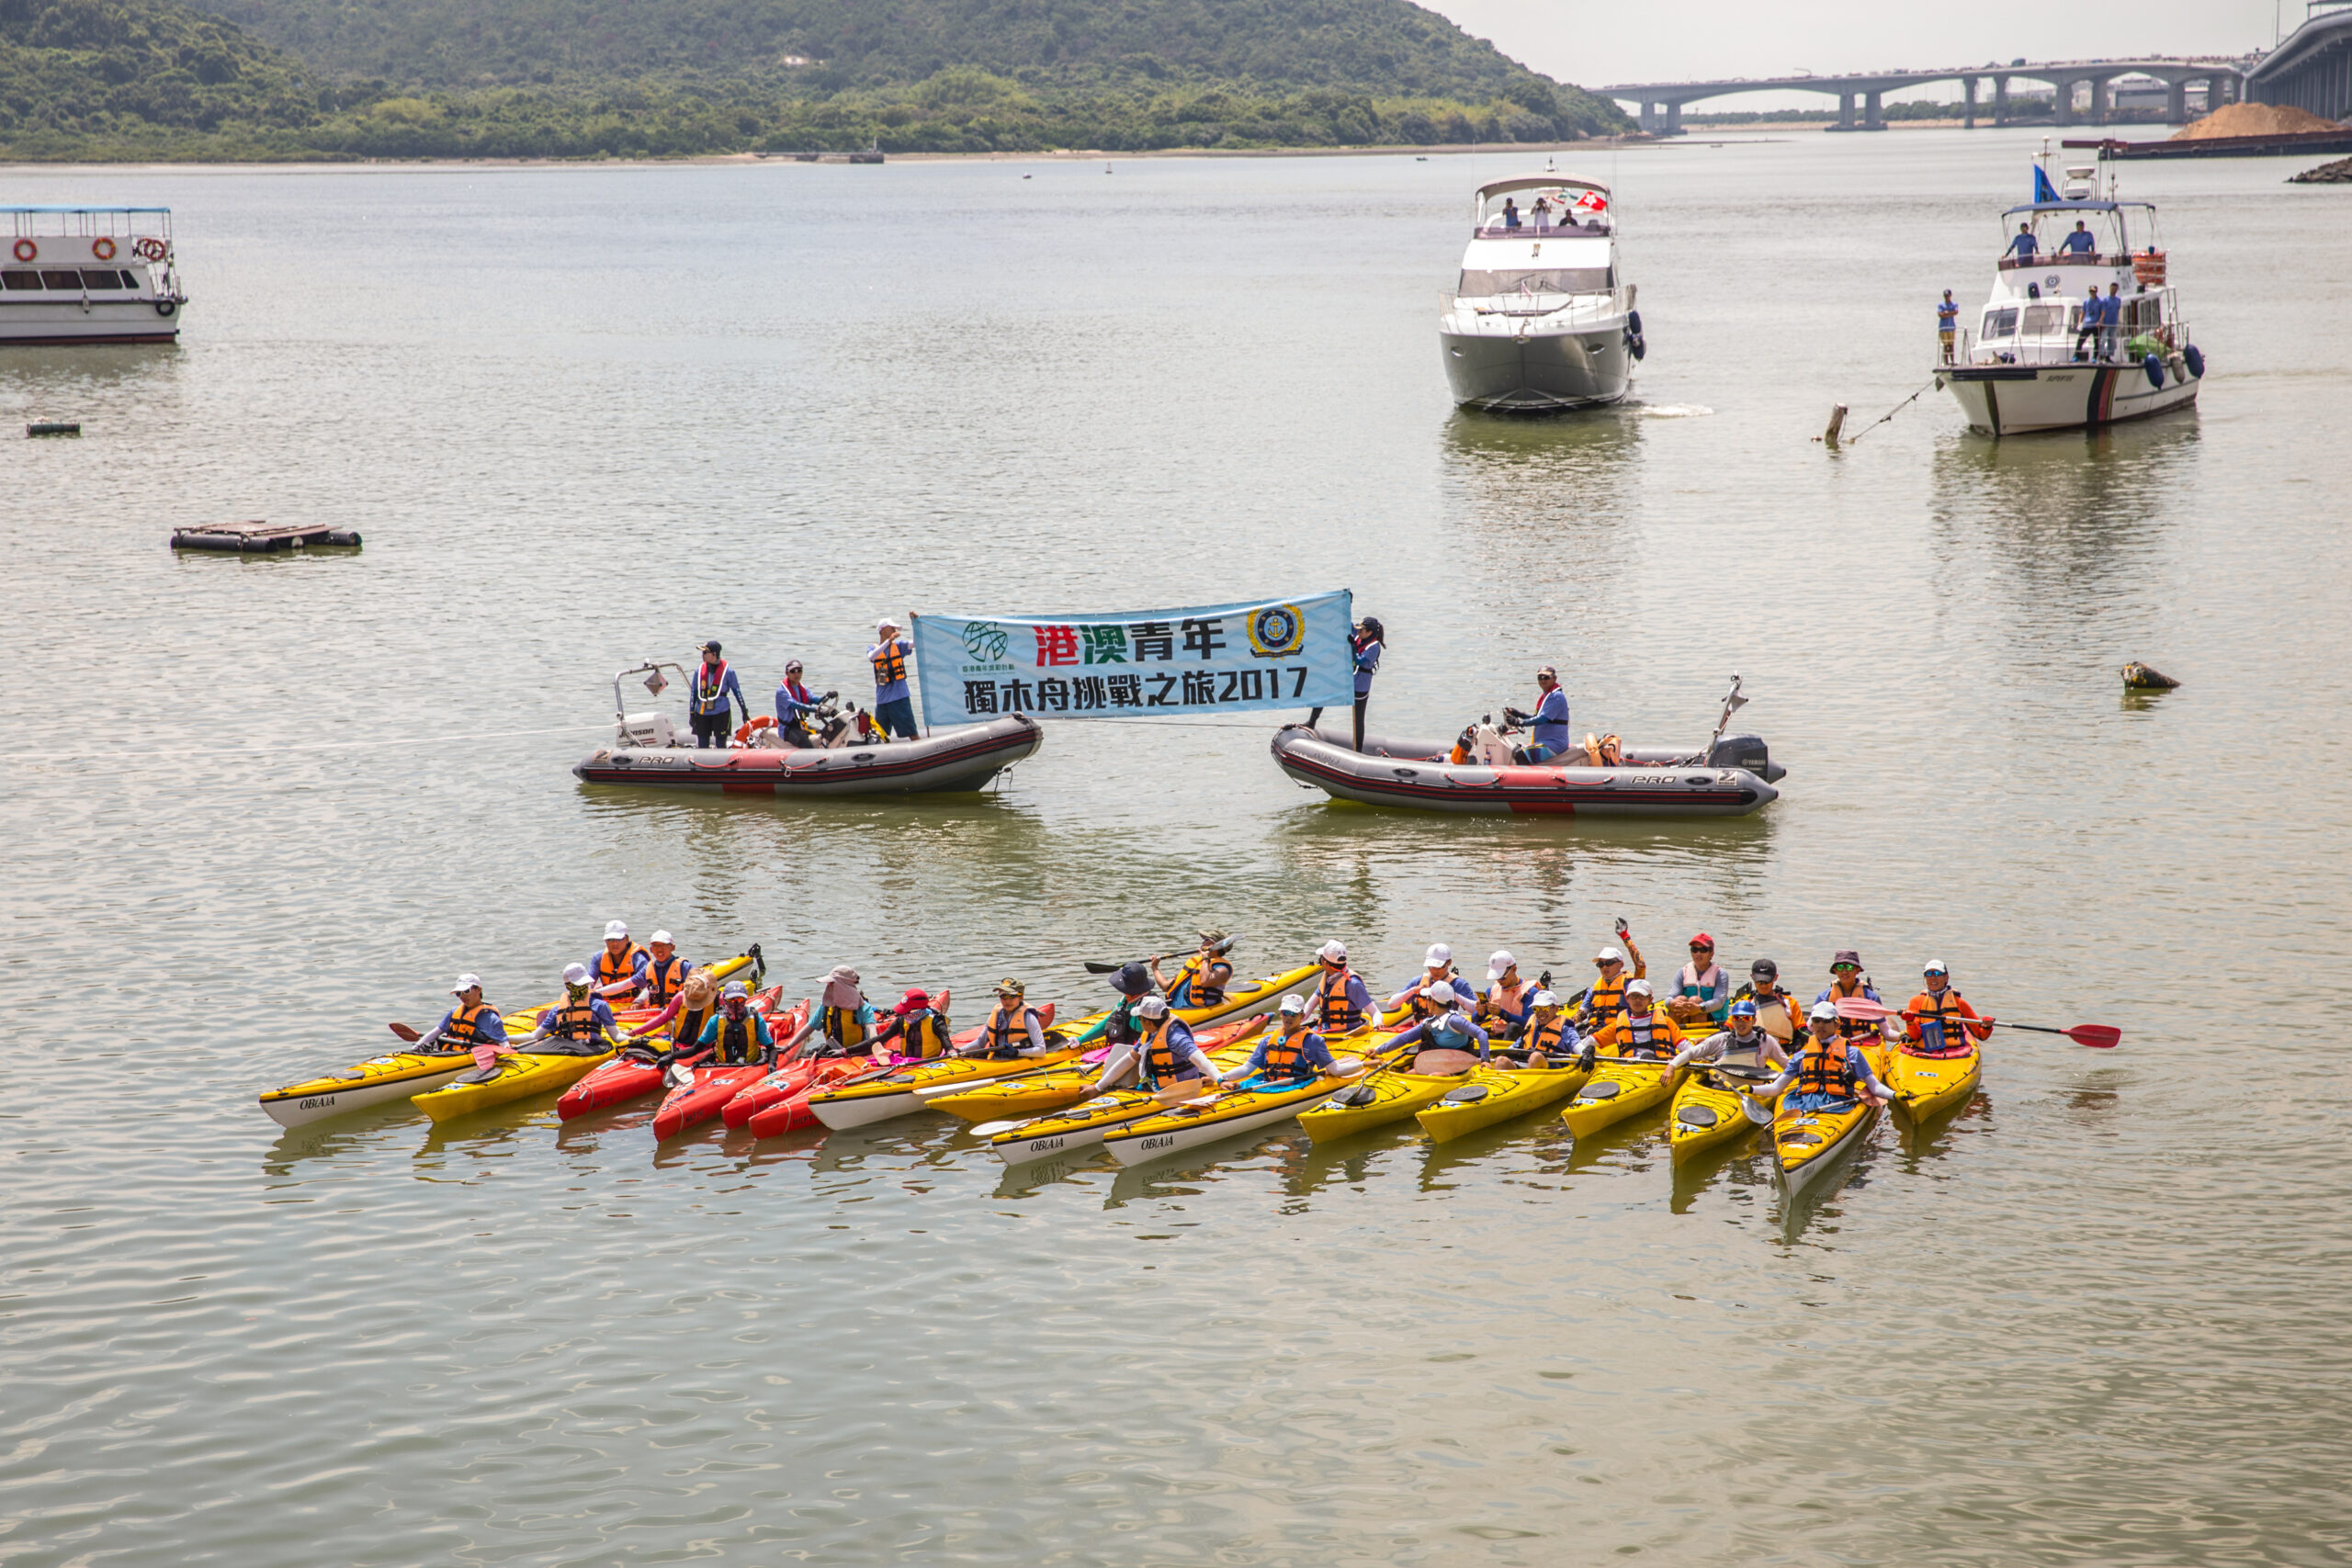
{"x":1746,"y":751}
{"x":646,"y":730}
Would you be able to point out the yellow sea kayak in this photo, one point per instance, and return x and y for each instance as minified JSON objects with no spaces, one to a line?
{"x":1376,"y":1101}
{"x":1809,"y":1141}
{"x":513,"y":1077}
{"x":1619,"y":1090}
{"x":1495,"y":1094}
{"x":1708,"y":1113}
{"x":1229,"y":1114}
{"x":859,"y":1102}
{"x":1927,"y":1086}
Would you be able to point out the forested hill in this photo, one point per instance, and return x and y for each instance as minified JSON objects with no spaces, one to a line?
{"x":632,"y":78}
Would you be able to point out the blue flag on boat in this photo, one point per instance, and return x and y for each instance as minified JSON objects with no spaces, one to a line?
{"x":2042,"y":190}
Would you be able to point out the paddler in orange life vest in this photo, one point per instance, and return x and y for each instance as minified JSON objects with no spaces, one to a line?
{"x":1777,"y":1013}
{"x":1287,"y":1052}
{"x":665,"y":975}
{"x":894,"y":703}
{"x":1549,"y":1038}
{"x":1503,"y":1009}
{"x":736,"y":1037}
{"x":618,"y":969}
{"x":1605,"y":998}
{"x":1013,"y":1027}
{"x":580,"y":1025}
{"x":1643,"y":1032}
{"x":915,"y":1028}
{"x":1829,"y":1074}
{"x":715,"y":696}
{"x":1201,"y":979}
{"x":1846,"y":979}
{"x":472,"y":1024}
{"x":1342,"y":1002}
{"x":1939,"y":1018}
{"x":1162,"y":1055}
{"x":1437,"y":969}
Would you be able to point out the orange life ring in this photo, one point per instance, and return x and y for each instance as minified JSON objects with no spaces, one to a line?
{"x":149,"y":248}
{"x":744,"y":732}
{"x":102,"y":248}
{"x":27,"y":251}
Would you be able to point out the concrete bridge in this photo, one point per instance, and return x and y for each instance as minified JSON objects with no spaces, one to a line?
{"x":1661,"y":103}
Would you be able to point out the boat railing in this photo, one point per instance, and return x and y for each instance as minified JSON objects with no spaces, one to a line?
{"x":1522,"y":304}
{"x":1527,"y":229}
{"x":2073,"y":346}
{"x":2109,"y":259}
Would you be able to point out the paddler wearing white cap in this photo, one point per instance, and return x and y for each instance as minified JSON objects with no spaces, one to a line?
{"x":1446,"y":1029}
{"x":1830,"y":1073}
{"x":1550,"y":1036}
{"x":1342,"y":1002}
{"x":1163,"y":1053}
{"x":1643,"y":1032}
{"x":619,"y":968}
{"x":1503,"y":1009}
{"x":1288,"y":1052}
{"x":894,"y":708}
{"x":578,"y":1025}
{"x":472,"y":1023}
{"x":1605,"y":998}
{"x":1437,"y":969}
{"x":664,"y":974}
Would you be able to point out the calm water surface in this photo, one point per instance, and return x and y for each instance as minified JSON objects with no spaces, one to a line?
{"x":254,"y":809}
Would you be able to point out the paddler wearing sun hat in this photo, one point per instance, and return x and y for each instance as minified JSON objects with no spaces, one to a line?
{"x":843,"y":1017}
{"x":692,"y":1008}
{"x":1846,"y":980}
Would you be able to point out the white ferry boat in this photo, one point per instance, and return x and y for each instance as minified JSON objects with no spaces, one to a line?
{"x":2029,"y":363}
{"x":1539,"y":320}
{"x":74,"y":274}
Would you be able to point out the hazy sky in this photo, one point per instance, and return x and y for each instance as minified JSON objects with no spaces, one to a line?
{"x":1594,"y":44}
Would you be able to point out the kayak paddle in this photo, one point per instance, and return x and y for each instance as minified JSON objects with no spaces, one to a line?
{"x":404,"y":1033}
{"x":1093,"y":968}
{"x":2097,"y":1036}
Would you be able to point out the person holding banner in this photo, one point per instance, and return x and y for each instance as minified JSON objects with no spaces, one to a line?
{"x":894,"y":708}
{"x":1364,"y":646}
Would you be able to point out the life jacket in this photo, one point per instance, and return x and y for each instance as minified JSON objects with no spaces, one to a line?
{"x":1422,"y":1007}
{"x":738,"y":1041}
{"x":1855,"y":1029}
{"x":1159,"y":1061}
{"x":1126,"y":1025}
{"x":663,"y":981}
{"x":1510,"y":1005}
{"x":1546,"y":1037}
{"x":1338,"y":1013}
{"x":1195,"y":982}
{"x":1749,"y":1053}
{"x":573,"y":1020}
{"x":1942,"y":1025}
{"x":923,"y":1034}
{"x":999,"y":1033}
{"x":843,"y":1027}
{"x":1819,"y":1072}
{"x":690,"y":1025}
{"x":465,"y":1024}
{"x":1791,"y":1021}
{"x":1651,"y":1032}
{"x":1448,"y":1032}
{"x":1606,"y":999}
{"x":801,"y":694}
{"x":710,"y":688}
{"x":611,"y":971}
{"x":889,"y":664}
{"x":1685,"y":983}
{"x":1284,"y":1055}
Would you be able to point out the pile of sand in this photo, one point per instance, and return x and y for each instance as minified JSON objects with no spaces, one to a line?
{"x":2253,"y":120}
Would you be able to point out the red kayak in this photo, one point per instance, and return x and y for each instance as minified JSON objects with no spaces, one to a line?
{"x":713,"y":1088}
{"x":638,"y":1072}
{"x":792,"y":1077}
{"x":786,"y":1106}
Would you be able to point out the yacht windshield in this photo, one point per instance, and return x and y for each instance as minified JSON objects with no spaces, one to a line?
{"x":1541,"y":280}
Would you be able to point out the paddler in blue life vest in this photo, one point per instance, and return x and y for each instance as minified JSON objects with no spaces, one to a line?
{"x":664,"y":974}
{"x":1013,"y":1027}
{"x":894,"y":704}
{"x":580,"y":1025}
{"x":1437,"y":969}
{"x":1829,"y":1074}
{"x":1503,"y":1009}
{"x":1547,"y":726}
{"x":843,"y":1018}
{"x":1162,"y":1054}
{"x":737,"y":1036}
{"x":716,"y":695}
{"x":1342,"y":1001}
{"x":618,"y":968}
{"x":474,"y":1025}
{"x":1201,"y":979}
{"x":1287,"y":1052}
{"x":914,"y":1028}
{"x":1447,"y":1028}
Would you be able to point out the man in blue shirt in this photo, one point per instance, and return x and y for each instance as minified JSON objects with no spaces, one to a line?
{"x":796,"y":706}
{"x":1287,"y":1052}
{"x":1547,"y":726}
{"x":1946,"y":323}
{"x":2079,"y":242}
{"x":2087,"y":325}
{"x":2110,"y":321}
{"x":894,"y":708}
{"x":715,"y":688}
{"x":2022,"y":247}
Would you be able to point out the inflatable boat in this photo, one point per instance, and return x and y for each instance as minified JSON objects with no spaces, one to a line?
{"x":1730,"y":777}
{"x":646,"y":751}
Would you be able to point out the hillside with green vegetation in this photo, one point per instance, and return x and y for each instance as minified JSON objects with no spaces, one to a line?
{"x":654,"y":78}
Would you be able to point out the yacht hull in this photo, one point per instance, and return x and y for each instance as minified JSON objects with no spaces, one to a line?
{"x":1539,"y":373}
{"x":40,"y":324}
{"x":2017,"y":399}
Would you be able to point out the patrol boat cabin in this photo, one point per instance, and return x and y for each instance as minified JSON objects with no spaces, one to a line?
{"x":77,"y":275}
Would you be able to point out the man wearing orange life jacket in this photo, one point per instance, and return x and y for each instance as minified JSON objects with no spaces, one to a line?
{"x":1829,"y":1074}
{"x":1550,"y":1037}
{"x":1606,"y":997}
{"x":1643,"y":1032}
{"x":580,"y":1025}
{"x":1437,"y":969}
{"x":1342,"y":1002}
{"x":1013,"y":1027}
{"x":1846,"y":981}
{"x":619,"y":968}
{"x":472,"y":1025}
{"x":1201,"y":979}
{"x":1288,"y":1052}
{"x":894,"y":704}
{"x":665,"y":975}
{"x":1939,"y":1018}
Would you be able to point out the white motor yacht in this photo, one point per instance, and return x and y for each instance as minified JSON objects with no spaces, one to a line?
{"x":74,"y":274}
{"x":1539,"y":320}
{"x":2029,"y":363}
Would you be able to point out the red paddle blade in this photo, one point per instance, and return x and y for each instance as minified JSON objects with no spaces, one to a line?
{"x":1863,"y":1007}
{"x":405,"y":1033}
{"x":2097,"y":1036}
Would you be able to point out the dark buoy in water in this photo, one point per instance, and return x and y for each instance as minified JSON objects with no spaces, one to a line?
{"x":53,"y":427}
{"x":2139,"y":678}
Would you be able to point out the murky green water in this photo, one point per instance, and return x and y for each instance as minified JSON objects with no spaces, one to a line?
{"x":254,"y":809}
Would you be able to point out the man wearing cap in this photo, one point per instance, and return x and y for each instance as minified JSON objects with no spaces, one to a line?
{"x":580,"y":1025}
{"x":1940,"y":1021}
{"x":619,"y":967}
{"x":1701,"y":989}
{"x":1830,"y":1073}
{"x":1550,"y":1036}
{"x":471,"y":1024}
{"x":1503,"y":1009}
{"x":1446,"y":1028}
{"x":1605,"y":998}
{"x":894,"y":708}
{"x":737,"y":1036}
{"x":1777,"y":1013}
{"x":1643,"y":1031}
{"x":1201,"y":979}
{"x":796,"y":708}
{"x":1161,"y":1053}
{"x":1013,"y":1027}
{"x":1739,"y":1044}
{"x":1547,"y":726}
{"x":1287,"y":1052}
{"x":1342,"y":1001}
{"x":1437,"y":969}
{"x":665,"y":973}
{"x":715,"y":696}
{"x":1846,"y":979}
{"x":915,"y":1028}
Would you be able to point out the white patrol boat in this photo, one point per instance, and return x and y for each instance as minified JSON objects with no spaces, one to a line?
{"x":1539,"y":320}
{"x":2029,"y":363}
{"x":74,"y":274}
